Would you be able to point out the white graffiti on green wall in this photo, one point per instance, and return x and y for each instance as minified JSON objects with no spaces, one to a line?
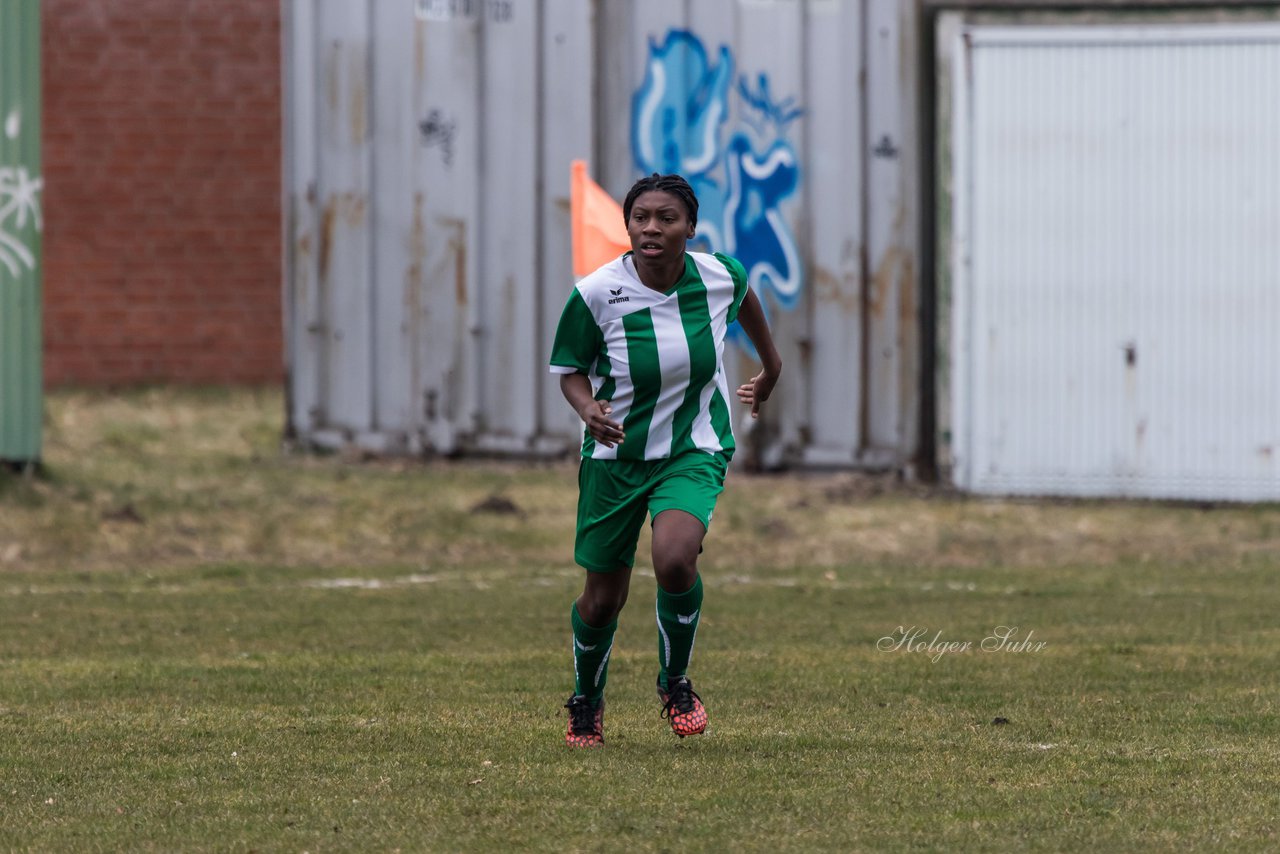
{"x":19,"y":208}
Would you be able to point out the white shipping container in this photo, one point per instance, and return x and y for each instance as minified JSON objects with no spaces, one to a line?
{"x":428,"y":147}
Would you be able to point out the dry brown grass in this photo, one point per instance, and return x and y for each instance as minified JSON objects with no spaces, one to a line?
{"x":171,"y":477}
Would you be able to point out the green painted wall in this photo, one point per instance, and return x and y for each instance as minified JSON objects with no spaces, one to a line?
{"x":21,"y":183}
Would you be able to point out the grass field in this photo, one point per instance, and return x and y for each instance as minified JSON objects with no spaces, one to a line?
{"x":208,"y":644}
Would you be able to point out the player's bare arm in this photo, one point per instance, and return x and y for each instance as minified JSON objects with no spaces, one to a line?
{"x":576,"y":389}
{"x":757,"y":391}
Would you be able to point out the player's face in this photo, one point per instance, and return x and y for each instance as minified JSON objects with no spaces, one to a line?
{"x":659,"y":226}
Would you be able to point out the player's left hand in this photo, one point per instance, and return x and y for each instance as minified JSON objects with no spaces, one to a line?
{"x":757,"y":391}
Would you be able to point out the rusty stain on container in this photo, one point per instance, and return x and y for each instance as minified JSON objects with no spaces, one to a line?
{"x":883,"y":279}
{"x":327,"y":214}
{"x":302,"y":262}
{"x":907,"y":295}
{"x":354,"y":206}
{"x":888,"y":299}
{"x":907,"y":333}
{"x":333,"y":78}
{"x":414,"y":287}
{"x":827,"y":290}
{"x":509,"y":302}
{"x":415,"y":281}
{"x":419,"y":50}
{"x":359,"y":98}
{"x":458,"y":245}
{"x":804,"y":348}
{"x":888,"y":270}
{"x":864,"y":356}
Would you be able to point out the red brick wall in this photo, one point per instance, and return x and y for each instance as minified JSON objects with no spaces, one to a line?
{"x":162,"y":191}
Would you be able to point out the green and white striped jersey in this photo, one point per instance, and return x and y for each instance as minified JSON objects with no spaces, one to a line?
{"x":656,"y":357}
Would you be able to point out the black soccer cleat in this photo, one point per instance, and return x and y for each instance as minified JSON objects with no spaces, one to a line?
{"x":586,"y":722}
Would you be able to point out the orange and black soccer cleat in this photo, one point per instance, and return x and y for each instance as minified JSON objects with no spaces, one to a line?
{"x":682,"y":707}
{"x":586,"y":722}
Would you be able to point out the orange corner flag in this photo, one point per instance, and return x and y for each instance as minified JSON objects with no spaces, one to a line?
{"x":599,"y":234}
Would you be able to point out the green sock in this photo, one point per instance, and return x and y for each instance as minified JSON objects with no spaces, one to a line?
{"x":591,"y":648}
{"x":677,"y":624}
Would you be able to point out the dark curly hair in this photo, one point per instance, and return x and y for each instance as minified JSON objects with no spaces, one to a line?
{"x":673,"y":184}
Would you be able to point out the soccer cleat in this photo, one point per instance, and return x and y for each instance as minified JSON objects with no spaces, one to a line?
{"x":682,"y":707}
{"x":586,"y":722}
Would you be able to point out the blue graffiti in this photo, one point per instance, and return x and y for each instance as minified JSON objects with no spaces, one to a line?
{"x":677,"y":124}
{"x":780,"y":114}
{"x":678,"y":110}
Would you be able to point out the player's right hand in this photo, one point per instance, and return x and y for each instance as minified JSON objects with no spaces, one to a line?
{"x":605,"y":431}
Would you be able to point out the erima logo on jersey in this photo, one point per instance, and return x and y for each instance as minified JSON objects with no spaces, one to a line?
{"x":583,"y":646}
{"x":617,"y":297}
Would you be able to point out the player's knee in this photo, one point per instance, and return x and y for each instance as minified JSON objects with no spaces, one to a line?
{"x":599,"y":613}
{"x":676,"y":569}
{"x":601,"y":607}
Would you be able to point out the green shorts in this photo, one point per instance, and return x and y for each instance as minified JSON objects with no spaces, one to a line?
{"x":614,"y":495}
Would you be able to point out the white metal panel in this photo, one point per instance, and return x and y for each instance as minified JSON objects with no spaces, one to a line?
{"x":568,"y":115}
{"x":1117,"y":268}
{"x":303,"y":352}
{"x":395,"y":266}
{"x":890,"y":303}
{"x":511,"y":376}
{"x":343,"y":181}
{"x":833,"y":70}
{"x":447,"y":73}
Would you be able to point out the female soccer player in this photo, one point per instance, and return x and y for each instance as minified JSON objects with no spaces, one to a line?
{"x":640,"y":353}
